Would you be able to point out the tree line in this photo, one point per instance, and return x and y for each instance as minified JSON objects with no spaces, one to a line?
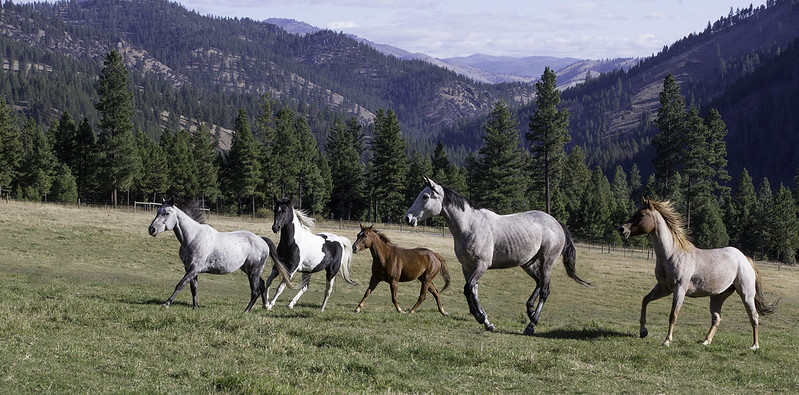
{"x":367,"y":172}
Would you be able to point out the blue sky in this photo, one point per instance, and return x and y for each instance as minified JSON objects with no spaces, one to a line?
{"x":592,"y":29}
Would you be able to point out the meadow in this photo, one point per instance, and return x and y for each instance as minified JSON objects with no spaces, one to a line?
{"x":80,"y":311}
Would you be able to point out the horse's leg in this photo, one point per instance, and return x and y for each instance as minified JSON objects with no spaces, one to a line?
{"x":426,"y":282}
{"x":532,"y":311}
{"x":749,"y":303}
{"x":394,"y":284}
{"x":433,"y":290}
{"x":278,"y":291}
{"x":256,"y":288}
{"x":306,"y":279}
{"x":191,"y":273}
{"x":193,"y":287}
{"x":676,"y":303}
{"x":328,"y":291}
{"x":372,"y":284}
{"x":657,"y":292}
{"x":263,"y":290}
{"x":715,"y":314}
{"x":470,"y":291}
{"x":268,"y":284}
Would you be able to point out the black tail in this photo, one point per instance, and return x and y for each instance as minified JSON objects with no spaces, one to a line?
{"x":444,"y":271}
{"x":762,"y":307}
{"x":281,"y":268}
{"x":570,"y":256}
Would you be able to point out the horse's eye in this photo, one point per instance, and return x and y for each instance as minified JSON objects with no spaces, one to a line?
{"x":425,"y":196}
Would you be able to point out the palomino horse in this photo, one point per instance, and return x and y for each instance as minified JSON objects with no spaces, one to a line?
{"x":682,"y":270}
{"x":205,"y":250}
{"x":393,"y":264}
{"x":485,"y":240}
{"x":306,"y":252}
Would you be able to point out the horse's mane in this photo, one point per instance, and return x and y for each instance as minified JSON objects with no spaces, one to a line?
{"x":192,"y":208}
{"x":675,"y":223}
{"x":306,"y":221}
{"x":454,"y":198}
{"x":382,"y":236}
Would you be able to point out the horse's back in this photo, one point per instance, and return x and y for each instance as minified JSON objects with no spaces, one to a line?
{"x":716,"y":270}
{"x":519,"y":237}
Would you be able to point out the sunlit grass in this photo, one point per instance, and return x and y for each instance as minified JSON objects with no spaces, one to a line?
{"x":80,"y":295}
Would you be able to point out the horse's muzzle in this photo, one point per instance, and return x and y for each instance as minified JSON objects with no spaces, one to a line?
{"x":411,"y":219}
{"x":624,"y":231}
{"x":152,"y":231}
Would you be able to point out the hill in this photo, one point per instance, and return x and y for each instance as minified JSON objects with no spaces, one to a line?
{"x":189,"y":68}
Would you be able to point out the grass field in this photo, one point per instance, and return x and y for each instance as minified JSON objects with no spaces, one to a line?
{"x":81,"y":289}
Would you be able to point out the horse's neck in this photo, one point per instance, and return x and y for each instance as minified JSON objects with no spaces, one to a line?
{"x":379,"y":250}
{"x":459,"y":221}
{"x":663,"y":240}
{"x":186,"y":228}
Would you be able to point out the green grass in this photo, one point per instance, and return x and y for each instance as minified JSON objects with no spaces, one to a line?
{"x":80,"y":295}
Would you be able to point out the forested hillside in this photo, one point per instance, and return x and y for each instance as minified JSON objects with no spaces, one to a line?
{"x":190,"y":69}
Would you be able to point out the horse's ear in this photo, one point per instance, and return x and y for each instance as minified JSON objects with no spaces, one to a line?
{"x":276,"y":200}
{"x":646,"y":202}
{"x":293,"y":203}
{"x":362,"y":227}
{"x":171,"y":201}
{"x":371,"y":227}
{"x":428,"y":182}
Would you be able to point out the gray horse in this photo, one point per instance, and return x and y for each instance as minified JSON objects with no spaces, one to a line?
{"x":205,"y":250}
{"x":486,"y":240}
{"x":683,"y":270}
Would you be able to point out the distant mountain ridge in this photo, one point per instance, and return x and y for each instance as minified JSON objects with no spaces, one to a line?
{"x":487,"y":68}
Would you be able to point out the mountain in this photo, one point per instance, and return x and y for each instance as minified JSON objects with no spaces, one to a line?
{"x":487,"y":68}
{"x":188,"y":68}
{"x":742,"y":64}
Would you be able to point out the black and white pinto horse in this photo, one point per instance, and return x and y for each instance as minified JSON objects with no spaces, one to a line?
{"x":486,"y":240}
{"x":205,"y":250}
{"x":302,"y":250}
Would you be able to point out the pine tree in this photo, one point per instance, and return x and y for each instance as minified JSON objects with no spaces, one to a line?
{"x":156,"y":177}
{"x":243,"y":167}
{"x":668,"y":141}
{"x":182,"y":168}
{"x":38,"y":163}
{"x":501,"y":183}
{"x":548,"y":134}
{"x":287,"y":152}
{"x":64,"y":188}
{"x":87,"y":161}
{"x":64,"y":133}
{"x":203,"y":149}
{"x":760,"y":230}
{"x":119,"y":160}
{"x":420,"y":166}
{"x":717,"y":148}
{"x":696,"y":170}
{"x":709,"y":229}
{"x":10,"y":148}
{"x":576,"y":176}
{"x":344,"y":149}
{"x":389,"y":168}
{"x":636,"y":188}
{"x":622,"y":206}
{"x":593,"y":219}
{"x":745,"y":206}
{"x":309,"y":177}
{"x":264,"y":132}
{"x":784,"y":226}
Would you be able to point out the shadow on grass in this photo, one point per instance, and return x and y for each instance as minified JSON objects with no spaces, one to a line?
{"x":583,"y":334}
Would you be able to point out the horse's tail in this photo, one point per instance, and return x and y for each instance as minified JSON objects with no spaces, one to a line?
{"x":570,"y":256}
{"x":761,"y":305}
{"x":281,"y":268}
{"x":346,"y":259}
{"x":444,"y":271}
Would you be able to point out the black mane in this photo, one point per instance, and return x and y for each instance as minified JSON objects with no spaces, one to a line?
{"x":194,"y":210}
{"x":454,"y":198}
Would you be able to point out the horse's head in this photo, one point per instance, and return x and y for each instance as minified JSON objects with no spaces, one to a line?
{"x":642,"y":222}
{"x":165,"y":218}
{"x":284,"y":213}
{"x":364,"y":240}
{"x":427,"y":204}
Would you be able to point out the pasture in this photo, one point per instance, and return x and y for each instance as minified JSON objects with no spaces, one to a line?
{"x":80,"y":311}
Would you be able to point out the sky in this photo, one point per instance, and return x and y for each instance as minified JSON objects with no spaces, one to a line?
{"x":589,"y":29}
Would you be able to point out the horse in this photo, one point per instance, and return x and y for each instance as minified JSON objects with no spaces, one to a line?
{"x":205,"y":250}
{"x":393,"y":264}
{"x":306,"y":252}
{"x":681,"y":270}
{"x":486,"y":240}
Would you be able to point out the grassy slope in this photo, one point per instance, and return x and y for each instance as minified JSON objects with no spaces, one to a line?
{"x":80,"y":291}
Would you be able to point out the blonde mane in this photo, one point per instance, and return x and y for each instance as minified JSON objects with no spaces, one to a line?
{"x":675,"y":224}
{"x":306,"y":221}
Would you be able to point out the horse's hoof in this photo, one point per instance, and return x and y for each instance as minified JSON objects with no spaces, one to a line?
{"x":165,"y":305}
{"x":445,"y":314}
{"x":706,"y":343}
{"x":666,"y":343}
{"x":644,"y":333}
{"x":754,"y":347}
{"x":530,"y":330}
{"x":358,"y":310}
{"x":489,"y":326}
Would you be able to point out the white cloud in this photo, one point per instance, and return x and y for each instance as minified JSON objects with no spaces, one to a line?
{"x":339,"y":25}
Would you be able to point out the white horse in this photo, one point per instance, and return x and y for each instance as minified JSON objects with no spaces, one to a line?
{"x":485,"y":240}
{"x":683,"y":270}
{"x":306,"y":252}
{"x":205,"y":250}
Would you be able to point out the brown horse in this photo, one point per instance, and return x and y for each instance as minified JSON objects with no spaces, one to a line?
{"x":394,"y":264}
